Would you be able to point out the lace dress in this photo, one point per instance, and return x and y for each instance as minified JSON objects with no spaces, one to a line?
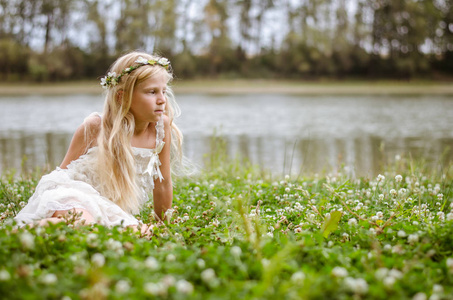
{"x":77,"y":187}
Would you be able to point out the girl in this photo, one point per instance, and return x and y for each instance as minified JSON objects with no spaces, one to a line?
{"x":115,"y":159}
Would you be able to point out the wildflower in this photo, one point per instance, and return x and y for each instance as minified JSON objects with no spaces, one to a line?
{"x":398,"y":178}
{"x":413,"y":238}
{"x":270,"y":234}
{"x":297,"y":277}
{"x":200,"y":263}
{"x":184,"y":287}
{"x":49,"y":279}
{"x":401,"y":234}
{"x":98,"y":260}
{"x":358,"y":286}
{"x":122,"y":287}
{"x":169,"y":213}
{"x":298,"y":230}
{"x":155,"y":289}
{"x":372,"y":231}
{"x":380,"y":215}
{"x":170,"y":258}
{"x":4,"y":275}
{"x":27,"y":240}
{"x":339,"y":272}
{"x":387,"y":247}
{"x":393,"y":192}
{"x":208,"y":275}
{"x":381,"y":273}
{"x":438,"y":289}
{"x":168,"y":281}
{"x":395,"y":273}
{"x":419,"y":296}
{"x":389,"y":281}
{"x":450,"y":216}
{"x":236,"y":251}
{"x":449,"y":263}
{"x":441,"y":215}
{"x":151,"y":263}
{"x":380,"y":178}
{"x":381,"y":197}
{"x":402,"y":191}
{"x":397,"y":249}
{"x":352,"y":222}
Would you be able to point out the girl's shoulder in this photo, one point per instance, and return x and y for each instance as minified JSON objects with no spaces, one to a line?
{"x":91,"y":128}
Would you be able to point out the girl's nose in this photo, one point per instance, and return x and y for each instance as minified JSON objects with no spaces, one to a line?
{"x":161,"y":99}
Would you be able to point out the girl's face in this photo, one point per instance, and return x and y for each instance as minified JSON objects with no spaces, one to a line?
{"x":148,"y":99}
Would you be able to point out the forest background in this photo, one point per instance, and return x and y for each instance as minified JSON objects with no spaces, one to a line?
{"x":58,"y":40}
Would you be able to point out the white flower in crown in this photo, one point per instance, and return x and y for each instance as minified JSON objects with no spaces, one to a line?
{"x":141,"y":60}
{"x":163,"y":61}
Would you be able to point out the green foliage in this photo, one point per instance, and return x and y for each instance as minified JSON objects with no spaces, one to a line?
{"x":237,"y":232}
{"x":324,"y":38}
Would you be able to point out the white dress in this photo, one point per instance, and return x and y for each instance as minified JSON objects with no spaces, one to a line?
{"x":77,"y":187}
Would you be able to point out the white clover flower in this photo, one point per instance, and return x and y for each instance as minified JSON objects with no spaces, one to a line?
{"x":381,"y":273}
{"x":352,"y":222}
{"x":387,"y":247}
{"x":389,"y":281}
{"x":49,"y":279}
{"x":201,"y":263}
{"x":441,"y":215}
{"x":4,"y":275}
{"x":298,"y":230}
{"x":402,"y":191}
{"x":449,"y":263}
{"x":438,"y":289}
{"x":170,"y":257}
{"x":419,"y":296}
{"x":380,"y":215}
{"x":27,"y":240}
{"x":401,"y":234}
{"x":413,"y":238}
{"x":168,"y":281}
{"x":339,"y":272}
{"x":450,"y":216}
{"x":398,"y":178}
{"x":393,"y":192}
{"x":154,"y":289}
{"x":184,"y":287}
{"x":381,"y":197}
{"x":358,"y":286}
{"x":122,"y":287}
{"x":151,"y":263}
{"x":169,"y":213}
{"x":380,"y":178}
{"x":270,"y":234}
{"x":440,"y":196}
{"x":395,"y":273}
{"x":236,"y":251}
{"x":98,"y":260}
{"x":208,"y":275}
{"x":297,"y":277}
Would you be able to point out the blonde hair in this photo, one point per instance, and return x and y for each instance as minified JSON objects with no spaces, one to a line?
{"x":116,"y":164}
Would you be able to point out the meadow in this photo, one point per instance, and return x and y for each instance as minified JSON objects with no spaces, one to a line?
{"x":238,"y":232}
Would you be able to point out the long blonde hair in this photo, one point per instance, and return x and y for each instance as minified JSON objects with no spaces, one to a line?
{"x":116,"y":165}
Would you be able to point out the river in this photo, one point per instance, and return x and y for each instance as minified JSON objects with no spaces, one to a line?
{"x":359,"y":134}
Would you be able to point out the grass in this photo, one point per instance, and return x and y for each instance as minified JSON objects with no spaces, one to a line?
{"x":239,"y":232}
{"x":241,"y":86}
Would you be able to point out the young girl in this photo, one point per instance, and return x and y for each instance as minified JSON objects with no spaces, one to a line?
{"x":116,"y":159}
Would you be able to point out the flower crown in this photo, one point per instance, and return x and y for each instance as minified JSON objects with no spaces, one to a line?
{"x":112,"y":79}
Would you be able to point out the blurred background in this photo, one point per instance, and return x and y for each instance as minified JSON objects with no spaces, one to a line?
{"x":279,"y":49}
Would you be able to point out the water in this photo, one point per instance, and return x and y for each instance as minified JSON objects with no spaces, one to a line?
{"x":284,"y":133}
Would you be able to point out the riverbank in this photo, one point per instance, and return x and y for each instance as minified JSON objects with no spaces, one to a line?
{"x":242,"y":86}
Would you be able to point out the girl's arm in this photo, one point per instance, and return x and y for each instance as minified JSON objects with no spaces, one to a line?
{"x":84,"y":138}
{"x":163,"y":191}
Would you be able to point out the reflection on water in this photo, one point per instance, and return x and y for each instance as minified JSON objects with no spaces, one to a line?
{"x":287,"y":134}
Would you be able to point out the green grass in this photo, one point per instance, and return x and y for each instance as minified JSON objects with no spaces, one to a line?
{"x":238,"y":232}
